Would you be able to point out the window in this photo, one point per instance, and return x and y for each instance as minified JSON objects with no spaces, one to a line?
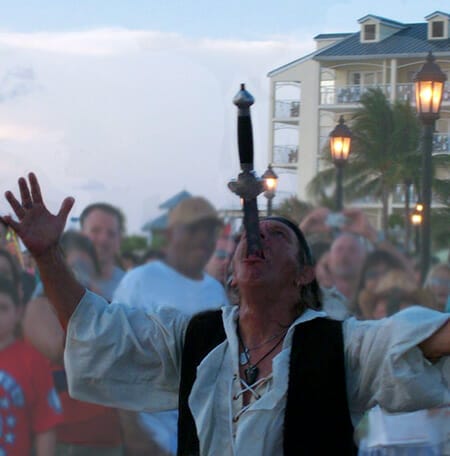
{"x":369,"y":32}
{"x":437,"y":29}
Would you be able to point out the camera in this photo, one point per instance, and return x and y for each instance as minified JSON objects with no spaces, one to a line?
{"x":336,"y":220}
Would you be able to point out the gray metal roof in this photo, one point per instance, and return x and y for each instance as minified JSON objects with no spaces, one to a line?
{"x":383,"y":20}
{"x":174,"y":200}
{"x":330,"y":36}
{"x":159,"y":223}
{"x":410,"y":40}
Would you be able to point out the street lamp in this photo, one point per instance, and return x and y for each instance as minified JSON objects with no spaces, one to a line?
{"x":340,"y":143}
{"x":429,"y":84}
{"x":416,"y":222}
{"x":270,"y":180}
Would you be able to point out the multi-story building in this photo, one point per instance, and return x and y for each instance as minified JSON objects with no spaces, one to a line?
{"x":308,"y":95}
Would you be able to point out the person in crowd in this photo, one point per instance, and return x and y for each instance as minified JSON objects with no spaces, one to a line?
{"x":255,"y":378}
{"x":9,"y":243}
{"x":9,"y":269}
{"x":375,"y":266}
{"x":333,"y":301}
{"x":423,"y":432}
{"x":347,"y":254}
{"x":438,"y":282}
{"x":152,"y":254}
{"x":104,"y":225}
{"x":350,"y":241}
{"x":29,"y":406}
{"x":178,"y":281}
{"x":129,"y":260}
{"x":219,"y":264}
{"x":394,"y":291}
{"x":87,"y":429}
{"x":24,"y":281}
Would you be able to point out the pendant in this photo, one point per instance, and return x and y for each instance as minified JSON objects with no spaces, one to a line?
{"x":243,"y":357}
{"x":251,"y":374}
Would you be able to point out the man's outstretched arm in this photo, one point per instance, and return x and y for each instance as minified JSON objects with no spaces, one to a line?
{"x":40,"y":232}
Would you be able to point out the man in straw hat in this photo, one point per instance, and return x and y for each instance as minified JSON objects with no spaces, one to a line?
{"x":178,"y":281}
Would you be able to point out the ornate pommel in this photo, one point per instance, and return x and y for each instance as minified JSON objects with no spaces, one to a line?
{"x":243,"y":100}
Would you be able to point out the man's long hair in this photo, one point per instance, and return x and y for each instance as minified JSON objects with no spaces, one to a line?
{"x":310,"y":294}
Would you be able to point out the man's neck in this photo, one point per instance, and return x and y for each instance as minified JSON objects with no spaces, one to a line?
{"x":181,"y":269}
{"x":262,"y":315}
{"x":107,"y":270}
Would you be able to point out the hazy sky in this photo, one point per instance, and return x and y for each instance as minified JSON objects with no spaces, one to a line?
{"x":130,"y":101}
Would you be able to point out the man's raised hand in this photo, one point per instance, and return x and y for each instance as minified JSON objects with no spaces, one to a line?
{"x":36,"y":226}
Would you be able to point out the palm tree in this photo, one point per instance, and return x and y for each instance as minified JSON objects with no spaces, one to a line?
{"x":407,"y":155}
{"x":384,"y":152}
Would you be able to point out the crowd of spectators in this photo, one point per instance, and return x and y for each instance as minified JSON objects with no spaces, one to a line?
{"x":360,"y":276}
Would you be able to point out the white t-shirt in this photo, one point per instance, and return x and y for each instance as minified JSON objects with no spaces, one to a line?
{"x":155,"y":285}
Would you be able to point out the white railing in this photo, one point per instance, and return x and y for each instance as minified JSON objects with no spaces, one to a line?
{"x":285,"y":155}
{"x":350,"y":94}
{"x":441,"y":143}
{"x":286,"y":109}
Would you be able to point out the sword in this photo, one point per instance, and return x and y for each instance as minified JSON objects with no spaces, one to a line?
{"x":247,"y":185}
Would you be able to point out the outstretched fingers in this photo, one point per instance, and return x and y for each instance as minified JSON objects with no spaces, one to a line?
{"x":35,"y":189}
{"x":25,"y":194}
{"x":15,"y":205}
{"x":65,"y":208}
{"x":7,"y":219}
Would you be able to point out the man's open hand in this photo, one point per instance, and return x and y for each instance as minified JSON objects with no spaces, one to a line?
{"x":36,"y":226}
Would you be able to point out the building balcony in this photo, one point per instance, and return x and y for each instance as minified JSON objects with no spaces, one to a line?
{"x":286,"y":109}
{"x":285,"y":156}
{"x":351,"y":94}
{"x":441,"y":143}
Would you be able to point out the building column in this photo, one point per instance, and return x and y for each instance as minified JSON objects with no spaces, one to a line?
{"x":393,"y":96}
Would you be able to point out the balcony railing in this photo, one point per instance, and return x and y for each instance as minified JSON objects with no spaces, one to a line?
{"x":286,"y":109}
{"x":285,"y":155}
{"x":441,"y":143}
{"x":351,"y":94}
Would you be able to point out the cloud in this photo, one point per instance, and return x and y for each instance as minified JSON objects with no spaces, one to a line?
{"x":132,"y":117}
{"x":17,"y":82}
{"x":113,"y":41}
{"x":91,"y":185}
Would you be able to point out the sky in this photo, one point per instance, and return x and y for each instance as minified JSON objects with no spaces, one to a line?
{"x":129,"y":102}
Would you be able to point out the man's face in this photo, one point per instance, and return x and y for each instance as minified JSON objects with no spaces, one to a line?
{"x":279,"y":263}
{"x":103,"y":230}
{"x":193,"y":244}
{"x":220,"y":261}
{"x":346,"y":257}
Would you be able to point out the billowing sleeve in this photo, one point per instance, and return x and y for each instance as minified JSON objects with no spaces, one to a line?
{"x":121,"y":356}
{"x":385,"y":366}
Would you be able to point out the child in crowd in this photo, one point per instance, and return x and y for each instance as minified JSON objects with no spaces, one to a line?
{"x":29,"y":406}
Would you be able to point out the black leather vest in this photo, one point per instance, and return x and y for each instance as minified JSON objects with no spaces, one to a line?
{"x":317,"y":419}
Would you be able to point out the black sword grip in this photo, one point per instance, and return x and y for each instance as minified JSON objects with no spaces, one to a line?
{"x":245,"y":142}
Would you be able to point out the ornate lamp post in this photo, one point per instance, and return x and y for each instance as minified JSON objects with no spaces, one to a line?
{"x":416,"y":222}
{"x":270,"y":179}
{"x":429,"y":84}
{"x":340,"y":143}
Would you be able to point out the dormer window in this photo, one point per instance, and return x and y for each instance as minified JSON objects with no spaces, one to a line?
{"x":438,"y":26}
{"x":370,"y":31}
{"x":437,"y":29}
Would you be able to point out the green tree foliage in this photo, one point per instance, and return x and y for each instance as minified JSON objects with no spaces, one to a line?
{"x":134,"y":243}
{"x":293,"y":208}
{"x":385,"y":153}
